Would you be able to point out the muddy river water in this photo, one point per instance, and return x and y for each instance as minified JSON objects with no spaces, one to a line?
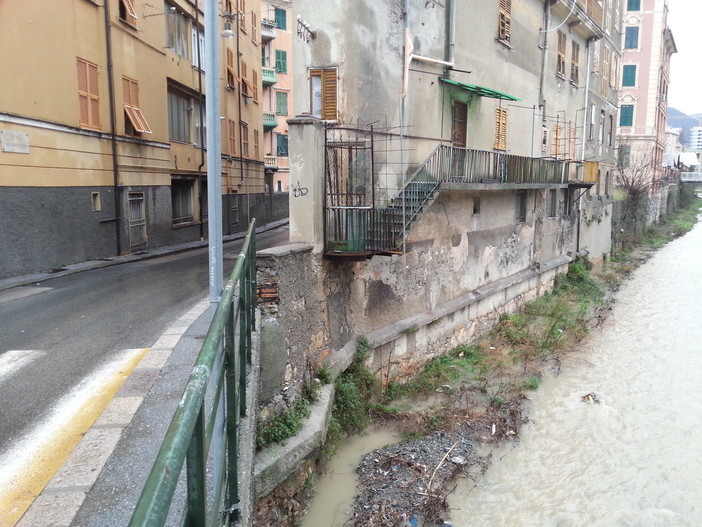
{"x":634,"y":459}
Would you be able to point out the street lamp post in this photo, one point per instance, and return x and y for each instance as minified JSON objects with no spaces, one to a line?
{"x":214,"y":150}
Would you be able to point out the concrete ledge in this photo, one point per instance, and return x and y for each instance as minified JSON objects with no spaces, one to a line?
{"x":276,"y":463}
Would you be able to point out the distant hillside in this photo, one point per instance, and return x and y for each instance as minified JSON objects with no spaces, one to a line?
{"x":677,"y":119}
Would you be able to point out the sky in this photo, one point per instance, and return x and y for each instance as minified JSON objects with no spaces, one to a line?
{"x":685,"y":21}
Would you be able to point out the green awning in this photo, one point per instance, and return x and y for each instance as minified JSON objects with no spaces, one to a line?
{"x":480,"y":90}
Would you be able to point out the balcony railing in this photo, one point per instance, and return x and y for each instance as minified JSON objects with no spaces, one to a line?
{"x":269,"y":121}
{"x":270,"y":161}
{"x":268,"y":76}
{"x":355,"y":225}
{"x":267,"y":30}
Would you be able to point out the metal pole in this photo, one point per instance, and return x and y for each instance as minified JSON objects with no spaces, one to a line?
{"x":214,"y":148}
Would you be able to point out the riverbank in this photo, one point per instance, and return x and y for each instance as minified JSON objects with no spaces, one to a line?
{"x":478,"y":393}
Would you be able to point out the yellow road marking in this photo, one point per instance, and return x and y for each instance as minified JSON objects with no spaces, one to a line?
{"x":39,"y":458}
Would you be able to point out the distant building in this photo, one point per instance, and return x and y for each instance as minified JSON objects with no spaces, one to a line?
{"x":643,"y":101}
{"x":276,"y":55}
{"x":694,"y":140}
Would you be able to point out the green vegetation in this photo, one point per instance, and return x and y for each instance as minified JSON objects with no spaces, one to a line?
{"x":353,"y":396}
{"x":284,"y":426}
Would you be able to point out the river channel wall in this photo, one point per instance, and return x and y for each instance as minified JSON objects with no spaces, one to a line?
{"x":313,"y":310}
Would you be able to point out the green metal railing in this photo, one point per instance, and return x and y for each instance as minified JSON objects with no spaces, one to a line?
{"x":203,"y":433}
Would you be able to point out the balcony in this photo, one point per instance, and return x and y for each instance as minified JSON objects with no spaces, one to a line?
{"x":268,"y":76}
{"x":585,"y":17}
{"x":270,"y":162}
{"x":267,"y":30}
{"x":357,"y":225}
{"x":269,"y":121}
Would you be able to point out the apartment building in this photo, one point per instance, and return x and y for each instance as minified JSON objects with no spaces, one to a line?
{"x":647,"y":47}
{"x":103,"y":129}
{"x":277,"y":25}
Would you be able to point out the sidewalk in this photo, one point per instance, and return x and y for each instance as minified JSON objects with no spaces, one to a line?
{"x":101,"y":480}
{"x":16,"y":281}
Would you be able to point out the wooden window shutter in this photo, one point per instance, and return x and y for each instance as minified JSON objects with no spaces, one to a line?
{"x":575,"y":62}
{"x":500,"y":129}
{"x":561,"y":60}
{"x":231,"y":136}
{"x":89,"y":103}
{"x":329,"y":94}
{"x":231,"y":74}
{"x":131,"y":106}
{"x":505,"y":21}
{"x":254,"y":84}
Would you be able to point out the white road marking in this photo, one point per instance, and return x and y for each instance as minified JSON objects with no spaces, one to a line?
{"x":13,"y":360}
{"x":35,"y":458}
{"x":21,"y":292}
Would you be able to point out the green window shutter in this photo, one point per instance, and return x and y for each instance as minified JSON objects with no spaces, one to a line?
{"x":282,"y":145}
{"x":629,"y":75}
{"x":631,"y":38}
{"x":626,"y":115}
{"x":281,"y":103}
{"x":633,"y":5}
{"x":280,"y":20}
{"x":281,"y":61}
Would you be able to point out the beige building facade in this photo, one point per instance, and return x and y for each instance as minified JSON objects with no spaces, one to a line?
{"x":103,"y":126}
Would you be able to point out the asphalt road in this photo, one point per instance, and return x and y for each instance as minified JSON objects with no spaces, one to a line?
{"x":54,"y":334}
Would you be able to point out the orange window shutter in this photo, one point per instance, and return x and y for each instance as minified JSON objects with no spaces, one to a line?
{"x":329,"y":106}
{"x":93,"y":95}
{"x":83,"y":99}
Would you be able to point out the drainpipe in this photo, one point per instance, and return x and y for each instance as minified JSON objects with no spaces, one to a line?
{"x":202,"y":121}
{"x":544,"y":53}
{"x":113,"y":126}
{"x":587,"y":91}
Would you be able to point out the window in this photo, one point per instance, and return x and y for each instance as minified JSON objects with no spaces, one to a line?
{"x":244,"y":139}
{"x":198,"y":58}
{"x":629,"y":75}
{"x":610,"y":132}
{"x":626,"y":115}
{"x":631,"y":38}
{"x":241,"y":14}
{"x":281,"y":103}
{"x":257,"y":145}
{"x":591,"y":134}
{"x":88,"y":99}
{"x":96,"y":205}
{"x":553,"y":203}
{"x":521,"y":206}
{"x":200,"y":123}
{"x":500,"y":129}
{"x":281,"y":61}
{"x":254,"y":29}
{"x":134,"y":122}
{"x":282,"y":145}
{"x":231,"y":136}
{"x":280,"y":19}
{"x":505,"y":20}
{"x":231,"y":74}
{"x":127,"y":13}
{"x":633,"y":5}
{"x":254,"y":84}
{"x":182,"y":200}
{"x":605,"y":70}
{"x":624,"y":157}
{"x":602,"y":127}
{"x":323,"y":94}
{"x":177,"y":32}
{"x":571,"y":143}
{"x":558,"y":147}
{"x":561,"y":57}
{"x":178,"y":117}
{"x":575,"y":63}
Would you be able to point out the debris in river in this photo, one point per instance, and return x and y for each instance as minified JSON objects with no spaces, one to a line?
{"x":591,"y":397}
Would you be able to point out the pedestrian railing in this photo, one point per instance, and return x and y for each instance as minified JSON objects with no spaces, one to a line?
{"x":203,"y":434}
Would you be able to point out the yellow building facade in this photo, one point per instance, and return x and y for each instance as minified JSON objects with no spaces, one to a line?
{"x":102,"y":127}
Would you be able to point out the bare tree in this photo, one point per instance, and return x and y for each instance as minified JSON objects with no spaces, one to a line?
{"x":635,"y":178}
